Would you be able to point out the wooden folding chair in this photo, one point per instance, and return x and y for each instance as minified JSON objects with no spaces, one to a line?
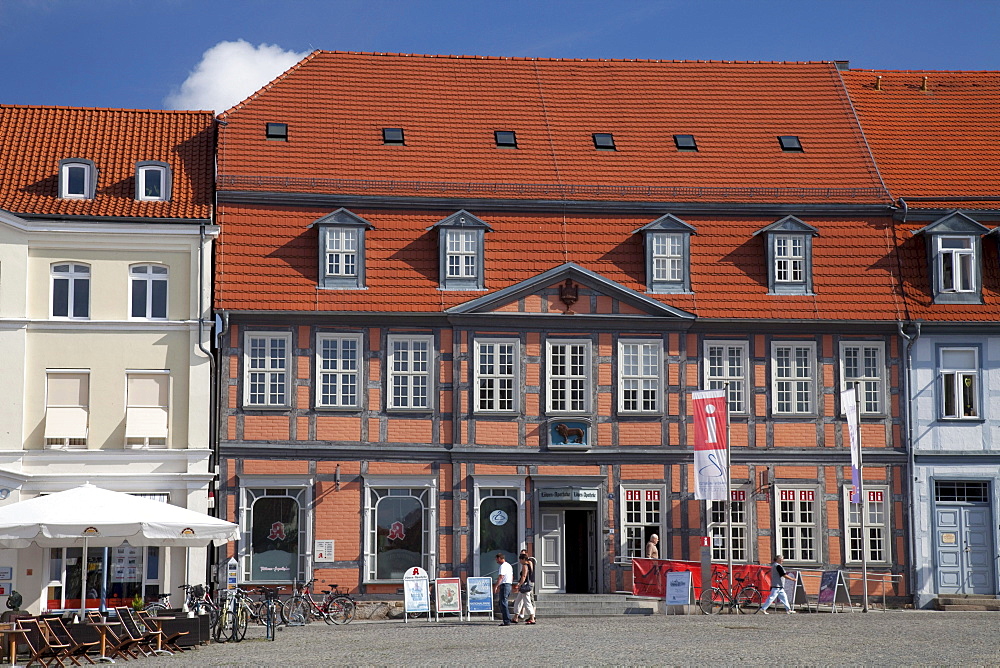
{"x":117,"y":645}
{"x":145,"y":639}
{"x":170,"y":639}
{"x":78,"y":648}
{"x":42,"y":647}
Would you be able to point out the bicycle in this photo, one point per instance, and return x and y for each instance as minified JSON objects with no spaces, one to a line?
{"x":196,"y":599}
{"x":270,"y":614}
{"x":302,"y":608}
{"x":743,"y":595}
{"x":234,"y":617}
{"x":340,"y":606}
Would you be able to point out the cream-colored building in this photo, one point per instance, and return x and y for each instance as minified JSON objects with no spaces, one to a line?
{"x":105,"y":333}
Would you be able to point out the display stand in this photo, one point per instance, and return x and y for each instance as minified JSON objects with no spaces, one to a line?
{"x":480,"y":597}
{"x":833,"y":590}
{"x":416,"y":593}
{"x":798,"y":594}
{"x":447,"y":597}
{"x":679,"y":592}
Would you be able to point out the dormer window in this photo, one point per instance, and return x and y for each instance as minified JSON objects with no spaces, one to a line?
{"x":342,"y":250}
{"x":789,"y":256}
{"x":460,"y":242}
{"x":954,"y":245}
{"x":668,"y":252}
{"x":152,"y":181}
{"x":77,"y":178}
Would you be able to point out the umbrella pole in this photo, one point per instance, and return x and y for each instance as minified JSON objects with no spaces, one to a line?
{"x":83,"y":581}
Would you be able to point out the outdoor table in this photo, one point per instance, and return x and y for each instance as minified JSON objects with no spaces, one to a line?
{"x":102,"y":628}
{"x":159,"y":638}
{"x":13,"y":633}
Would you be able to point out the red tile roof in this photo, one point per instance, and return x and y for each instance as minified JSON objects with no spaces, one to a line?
{"x":335,"y":105}
{"x":933,"y":134}
{"x":34,"y":139}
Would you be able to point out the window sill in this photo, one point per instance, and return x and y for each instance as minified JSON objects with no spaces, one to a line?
{"x":339,"y":409}
{"x":961,"y":419}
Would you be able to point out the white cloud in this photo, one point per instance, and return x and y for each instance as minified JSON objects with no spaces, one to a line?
{"x":228,"y":73}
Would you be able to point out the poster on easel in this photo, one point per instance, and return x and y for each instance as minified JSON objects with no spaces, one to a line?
{"x":416,"y":593}
{"x":797,"y":595}
{"x":480,"y":595}
{"x":833,"y":590}
{"x":678,"y":586}
{"x":448,"y":597}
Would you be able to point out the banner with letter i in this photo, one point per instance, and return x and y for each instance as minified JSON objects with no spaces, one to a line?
{"x":711,"y":461}
{"x":849,"y":402}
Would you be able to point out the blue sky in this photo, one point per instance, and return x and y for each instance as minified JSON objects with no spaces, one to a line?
{"x":137,"y":54}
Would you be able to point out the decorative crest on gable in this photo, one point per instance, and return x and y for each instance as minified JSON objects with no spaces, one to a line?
{"x":788,"y":225}
{"x":667,"y":223}
{"x":342,"y":217}
{"x":955,"y":222}
{"x":462,"y":219}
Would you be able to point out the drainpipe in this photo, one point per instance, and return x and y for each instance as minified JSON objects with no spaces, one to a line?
{"x":213,"y":459}
{"x":910,"y":465}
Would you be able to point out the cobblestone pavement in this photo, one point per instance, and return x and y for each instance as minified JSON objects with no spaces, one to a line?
{"x":876,"y":638}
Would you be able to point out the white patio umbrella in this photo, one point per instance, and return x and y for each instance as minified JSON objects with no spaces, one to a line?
{"x":88,"y":516}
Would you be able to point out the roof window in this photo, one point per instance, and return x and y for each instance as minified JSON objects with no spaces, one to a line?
{"x":790,"y":143}
{"x":277,"y":131}
{"x":604,"y":141}
{"x":685,"y":143}
{"x":392,"y":136}
{"x":505,"y":138}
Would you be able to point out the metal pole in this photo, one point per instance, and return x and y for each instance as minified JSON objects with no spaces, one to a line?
{"x":863,"y":505}
{"x":729,"y":495}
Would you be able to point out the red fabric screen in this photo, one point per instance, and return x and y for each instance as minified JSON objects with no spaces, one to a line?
{"x":648,"y":575}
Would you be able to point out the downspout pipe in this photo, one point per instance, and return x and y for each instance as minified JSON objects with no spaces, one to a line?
{"x":911,"y":340}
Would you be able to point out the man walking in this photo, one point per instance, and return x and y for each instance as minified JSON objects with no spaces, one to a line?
{"x":504,"y":580}
{"x":778,"y":576}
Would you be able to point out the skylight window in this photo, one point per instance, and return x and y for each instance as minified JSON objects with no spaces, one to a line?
{"x":685,"y":143}
{"x":505,"y":138}
{"x":392,"y":136}
{"x":604,"y":141}
{"x":277,"y":131}
{"x":790,"y":143}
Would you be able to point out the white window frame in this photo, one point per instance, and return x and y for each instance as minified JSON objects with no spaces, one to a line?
{"x":954,"y":377}
{"x":560,"y":389}
{"x":797,"y":526}
{"x":742,"y":503}
{"x":141,"y":171}
{"x":667,"y":262}
{"x":144,"y":412}
{"x":420,"y":487}
{"x":956,"y":264}
{"x":341,"y":253}
{"x":641,"y":378}
{"x":61,"y":442}
{"x":405,"y":376}
{"x":877,"y":522}
{"x":462,"y":253}
{"x":271,"y":373}
{"x":154,"y":273}
{"x":254,"y":488}
{"x":872,"y":385}
{"x":339,"y":372}
{"x":78,"y":271}
{"x":65,"y":167}
{"x":795,"y":386}
{"x":493,"y":379}
{"x":718,"y":376}
{"x":641,"y":506}
{"x":789,"y":258}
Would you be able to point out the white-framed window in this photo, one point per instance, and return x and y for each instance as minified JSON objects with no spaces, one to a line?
{"x":410,"y":373}
{"x":958,"y":369}
{"x":667,"y":257}
{"x":497,"y":365}
{"x":400,"y":516}
{"x":266,"y":358}
{"x":498,"y":524}
{"x":462,"y":253}
{"x":338,"y":370}
{"x":876,"y":507}
{"x":797,"y":523}
{"x":789,"y":258}
{"x":793,"y":378}
{"x":717,"y":528}
{"x":152,"y":181}
{"x":642,"y":516}
{"x":274,"y":523}
{"x":568,"y":371}
{"x":342,"y":252}
{"x":147,"y":409}
{"x":863,"y":363}
{"x":67,"y":408}
{"x":77,"y":178}
{"x":956,"y":263}
{"x":640,"y":375}
{"x":70,"y":290}
{"x":148,"y":284}
{"x":726,"y":366}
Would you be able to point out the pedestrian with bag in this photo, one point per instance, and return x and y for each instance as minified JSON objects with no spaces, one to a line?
{"x":524,"y":586}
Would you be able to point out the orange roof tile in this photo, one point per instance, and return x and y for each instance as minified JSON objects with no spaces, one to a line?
{"x":933,"y":134}
{"x":335,"y":105}
{"x":34,"y":139}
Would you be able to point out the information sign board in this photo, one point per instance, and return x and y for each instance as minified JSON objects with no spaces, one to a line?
{"x":678,"y":587}
{"x":448,"y":596}
{"x":416,"y":592}
{"x":480,"y":594}
{"x":323,"y":551}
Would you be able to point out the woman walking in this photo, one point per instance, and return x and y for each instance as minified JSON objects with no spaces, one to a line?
{"x":524,"y":586}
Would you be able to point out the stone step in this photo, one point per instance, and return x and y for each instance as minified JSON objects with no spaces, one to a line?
{"x":968,"y":608}
{"x":967,"y":598}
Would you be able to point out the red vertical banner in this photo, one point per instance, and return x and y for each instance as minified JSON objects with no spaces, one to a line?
{"x":711,"y":463}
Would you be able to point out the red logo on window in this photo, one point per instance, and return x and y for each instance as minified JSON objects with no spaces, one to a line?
{"x":396,"y":531}
{"x":277,"y":531}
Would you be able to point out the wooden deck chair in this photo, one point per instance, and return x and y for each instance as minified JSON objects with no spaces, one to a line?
{"x":78,"y":647}
{"x":41,"y":648}
{"x":170,"y":639}
{"x":118,"y":644}
{"x":145,"y":640}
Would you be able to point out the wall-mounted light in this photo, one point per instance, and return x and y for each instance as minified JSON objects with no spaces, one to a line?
{"x":336,"y":478}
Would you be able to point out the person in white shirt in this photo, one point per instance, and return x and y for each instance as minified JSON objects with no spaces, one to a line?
{"x":505,"y":578}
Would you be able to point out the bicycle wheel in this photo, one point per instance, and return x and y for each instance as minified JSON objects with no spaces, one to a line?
{"x":240,"y":622}
{"x":295,"y":612}
{"x":223,"y":628}
{"x":270,"y":619}
{"x":320,"y":613}
{"x":749,"y":600}
{"x":712,"y":601}
{"x":341,"y":610}
{"x":155,"y":608}
{"x":257,"y":611}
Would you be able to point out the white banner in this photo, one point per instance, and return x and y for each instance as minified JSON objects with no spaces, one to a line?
{"x":850,"y":405}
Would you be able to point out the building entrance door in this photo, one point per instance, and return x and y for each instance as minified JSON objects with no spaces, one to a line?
{"x":568,"y":542}
{"x":964,"y":548}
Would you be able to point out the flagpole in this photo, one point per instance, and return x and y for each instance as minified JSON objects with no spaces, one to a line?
{"x":863,"y":503}
{"x":729,"y":495}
